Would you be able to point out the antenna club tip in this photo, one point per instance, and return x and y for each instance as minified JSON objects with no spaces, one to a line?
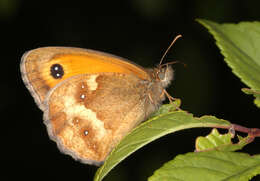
{"x":173,"y":41}
{"x":178,"y":36}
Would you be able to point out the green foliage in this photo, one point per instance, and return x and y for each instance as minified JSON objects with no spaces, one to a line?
{"x":217,"y":141}
{"x":239,"y":43}
{"x":209,"y":166}
{"x":255,"y":93}
{"x":175,"y":105}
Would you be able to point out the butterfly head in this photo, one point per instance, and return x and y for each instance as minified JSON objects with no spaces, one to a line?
{"x":163,"y":74}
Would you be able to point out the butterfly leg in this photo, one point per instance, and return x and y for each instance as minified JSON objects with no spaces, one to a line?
{"x":168,"y":95}
{"x":150,"y":97}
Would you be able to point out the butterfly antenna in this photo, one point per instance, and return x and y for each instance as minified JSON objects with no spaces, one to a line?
{"x":173,"y":62}
{"x":165,"y":53}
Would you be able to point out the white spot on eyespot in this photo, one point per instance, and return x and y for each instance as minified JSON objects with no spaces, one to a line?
{"x":58,"y":75}
{"x":56,"y":68}
{"x":85,"y":132}
{"x":82,"y":96}
{"x":82,"y":86}
{"x":91,"y":82}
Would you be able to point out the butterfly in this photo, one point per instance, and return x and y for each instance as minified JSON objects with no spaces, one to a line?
{"x":91,"y":99}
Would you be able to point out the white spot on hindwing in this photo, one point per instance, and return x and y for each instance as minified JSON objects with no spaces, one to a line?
{"x":85,"y":132}
{"x":73,"y":109}
{"x":82,"y":96}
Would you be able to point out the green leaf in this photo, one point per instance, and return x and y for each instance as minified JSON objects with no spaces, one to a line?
{"x":239,"y":43}
{"x":151,"y":130}
{"x":256,"y":93}
{"x":217,"y":141}
{"x":175,"y":105}
{"x":209,"y":166}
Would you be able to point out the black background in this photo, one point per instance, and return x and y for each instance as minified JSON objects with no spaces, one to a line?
{"x":139,"y":30}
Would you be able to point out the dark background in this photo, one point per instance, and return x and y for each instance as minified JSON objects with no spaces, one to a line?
{"x":139,"y":30}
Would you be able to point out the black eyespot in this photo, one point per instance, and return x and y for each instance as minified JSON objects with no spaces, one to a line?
{"x":57,"y":71}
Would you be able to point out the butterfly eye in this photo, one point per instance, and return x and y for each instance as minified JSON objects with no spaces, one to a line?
{"x":161,"y":74}
{"x":57,"y":71}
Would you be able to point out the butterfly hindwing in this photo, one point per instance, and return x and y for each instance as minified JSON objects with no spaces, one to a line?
{"x":88,"y":114}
